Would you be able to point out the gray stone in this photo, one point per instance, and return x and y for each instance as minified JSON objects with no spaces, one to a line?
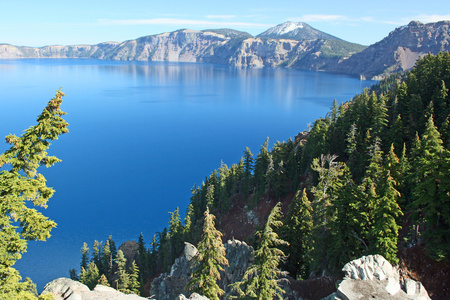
{"x":68,"y":289}
{"x":373,"y":277}
{"x":392,"y":286}
{"x":168,"y":286}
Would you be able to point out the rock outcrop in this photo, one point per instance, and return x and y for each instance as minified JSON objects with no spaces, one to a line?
{"x":398,"y":51}
{"x":373,"y":277}
{"x":169,"y":285}
{"x":68,"y":289}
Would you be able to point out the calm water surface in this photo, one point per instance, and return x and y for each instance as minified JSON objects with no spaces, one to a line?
{"x":141,"y":135}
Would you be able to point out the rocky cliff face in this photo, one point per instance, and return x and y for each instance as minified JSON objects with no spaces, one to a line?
{"x":293,"y":45}
{"x":224,"y":46}
{"x":398,"y":51}
{"x":169,"y":285}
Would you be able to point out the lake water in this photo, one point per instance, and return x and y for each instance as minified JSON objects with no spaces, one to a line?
{"x":141,"y":134}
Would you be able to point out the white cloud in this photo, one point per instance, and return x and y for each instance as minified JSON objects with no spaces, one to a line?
{"x":221,"y":16}
{"x":179,"y":22}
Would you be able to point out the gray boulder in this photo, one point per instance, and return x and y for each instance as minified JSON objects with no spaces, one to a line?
{"x":68,"y":289}
{"x":373,"y":277}
{"x":194,"y":296}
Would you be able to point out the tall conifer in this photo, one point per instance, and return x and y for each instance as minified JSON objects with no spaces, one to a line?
{"x":261,"y":280}
{"x":209,"y":261}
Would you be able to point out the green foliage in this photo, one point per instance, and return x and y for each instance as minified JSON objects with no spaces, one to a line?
{"x":432,"y":191}
{"x":208,"y":261}
{"x":91,"y":276}
{"x":260,"y":280}
{"x":21,"y":186}
{"x":135,"y":285}
{"x":122,"y":283}
{"x":296,"y":231}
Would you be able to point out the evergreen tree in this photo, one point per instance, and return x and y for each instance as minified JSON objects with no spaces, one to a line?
{"x":209,"y":261}
{"x":22,"y":187}
{"x":325,"y":194}
{"x":135,"y":285}
{"x":384,"y":233}
{"x":123,"y":281}
{"x":103,"y":280}
{"x":96,"y":255}
{"x":175,"y":234}
{"x":106,"y":258}
{"x":84,"y":256}
{"x":260,"y":280}
{"x":247,"y":176}
{"x":91,"y":276}
{"x":433,"y":190}
{"x":297,"y":232}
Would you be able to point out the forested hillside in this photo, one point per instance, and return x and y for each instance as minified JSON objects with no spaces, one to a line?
{"x":371,"y":167}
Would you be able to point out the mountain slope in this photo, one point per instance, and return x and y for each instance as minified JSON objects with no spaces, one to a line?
{"x":220,"y":46}
{"x":398,"y":51}
{"x":295,"y":31}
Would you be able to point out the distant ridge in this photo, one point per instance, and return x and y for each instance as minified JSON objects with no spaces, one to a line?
{"x":296,"y":31}
{"x":289,"y":45}
{"x":398,"y":51}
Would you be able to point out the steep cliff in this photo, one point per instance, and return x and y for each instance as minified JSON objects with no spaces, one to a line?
{"x":220,"y":46}
{"x":398,"y":51}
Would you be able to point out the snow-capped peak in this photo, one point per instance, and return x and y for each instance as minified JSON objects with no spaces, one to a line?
{"x":286,"y":27}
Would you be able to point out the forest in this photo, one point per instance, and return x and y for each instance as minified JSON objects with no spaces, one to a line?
{"x":373,"y":166}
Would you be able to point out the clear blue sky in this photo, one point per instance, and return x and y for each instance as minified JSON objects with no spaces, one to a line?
{"x":66,"y":22}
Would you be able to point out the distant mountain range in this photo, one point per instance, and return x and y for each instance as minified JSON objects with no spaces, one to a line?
{"x":292,"y":45}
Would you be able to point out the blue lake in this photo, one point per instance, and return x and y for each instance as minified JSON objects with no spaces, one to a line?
{"x":141,"y":134}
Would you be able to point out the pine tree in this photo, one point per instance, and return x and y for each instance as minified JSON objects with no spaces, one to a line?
{"x":135,"y":285}
{"x":123,"y":281}
{"x":297,"y":232}
{"x":260,"y":280}
{"x":22,"y":187}
{"x":247,"y":176}
{"x":209,"y":261}
{"x":96,"y":255}
{"x":106,"y":260}
{"x":103,"y":280}
{"x":384,"y":233}
{"x":91,"y":276}
{"x":84,"y":256}
{"x":432,"y":191}
{"x":325,"y":194}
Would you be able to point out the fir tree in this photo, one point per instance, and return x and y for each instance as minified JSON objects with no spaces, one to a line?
{"x":84,"y":256}
{"x":297,"y":232}
{"x":260,"y":280}
{"x":209,"y":261}
{"x":123,"y":281}
{"x":433,"y":190}
{"x":90,"y":276}
{"x":247,"y":176}
{"x":134,"y":285}
{"x":21,"y":187}
{"x":103,"y":280}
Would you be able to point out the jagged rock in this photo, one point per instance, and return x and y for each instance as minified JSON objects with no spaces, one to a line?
{"x":130,"y":251}
{"x":370,"y":267}
{"x":68,"y":289}
{"x":169,"y":286}
{"x":194,"y":296}
{"x":373,"y":277}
